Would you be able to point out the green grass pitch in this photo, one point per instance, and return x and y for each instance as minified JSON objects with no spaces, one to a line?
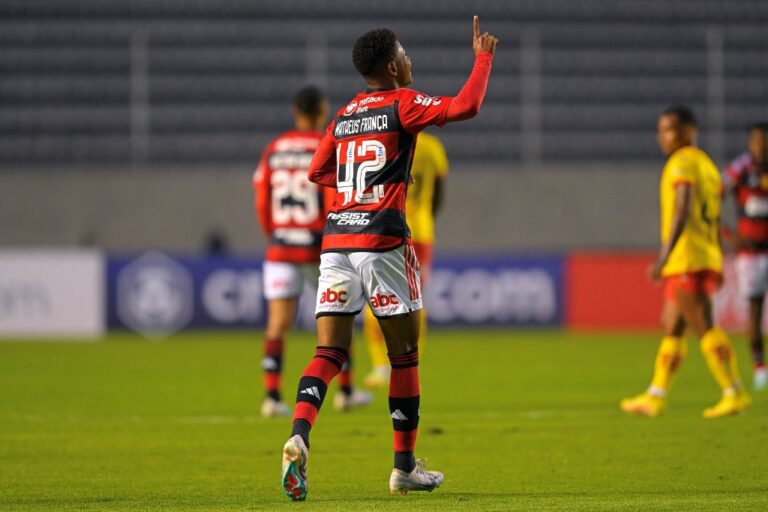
{"x":517,"y":420}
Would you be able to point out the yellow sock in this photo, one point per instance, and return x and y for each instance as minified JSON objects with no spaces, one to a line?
{"x":422,"y":332}
{"x":374,"y":338}
{"x":670,"y":355}
{"x":721,"y":359}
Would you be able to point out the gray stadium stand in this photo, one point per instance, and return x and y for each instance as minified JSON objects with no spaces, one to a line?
{"x":208,"y":81}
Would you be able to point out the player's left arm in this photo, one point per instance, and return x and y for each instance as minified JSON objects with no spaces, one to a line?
{"x":727,"y":189}
{"x":417,"y":111}
{"x":731,"y":178}
{"x":466,"y":104}
{"x":262,"y":197}
{"x":322,"y":169}
{"x":682,"y":208}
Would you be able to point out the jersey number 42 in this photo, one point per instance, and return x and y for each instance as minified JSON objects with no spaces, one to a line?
{"x":351,"y":177}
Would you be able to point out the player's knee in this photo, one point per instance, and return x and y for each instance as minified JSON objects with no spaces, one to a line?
{"x":401,"y":332}
{"x":400,"y":347}
{"x":278,"y":325}
{"x":700,"y":322}
{"x":668,"y":322}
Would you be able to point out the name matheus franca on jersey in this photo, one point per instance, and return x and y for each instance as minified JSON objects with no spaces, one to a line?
{"x":362,"y":121}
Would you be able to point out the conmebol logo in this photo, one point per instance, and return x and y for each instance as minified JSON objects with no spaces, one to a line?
{"x":155,"y":295}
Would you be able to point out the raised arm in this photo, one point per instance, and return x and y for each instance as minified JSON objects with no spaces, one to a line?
{"x":467,"y":103}
{"x":417,"y":111}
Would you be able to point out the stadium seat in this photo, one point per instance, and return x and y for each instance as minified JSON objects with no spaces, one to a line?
{"x":219,"y":72}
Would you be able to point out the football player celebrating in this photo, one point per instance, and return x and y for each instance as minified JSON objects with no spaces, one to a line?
{"x":746,"y":178}
{"x":291,"y":210}
{"x":365,"y":156}
{"x":690,"y":265}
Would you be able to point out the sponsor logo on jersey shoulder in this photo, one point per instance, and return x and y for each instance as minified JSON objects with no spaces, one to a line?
{"x":331,"y":296}
{"x":382,"y":300}
{"x":363,"y":106}
{"x":426,"y":100}
{"x":350,"y":218}
{"x":370,"y":99}
{"x":350,"y":109}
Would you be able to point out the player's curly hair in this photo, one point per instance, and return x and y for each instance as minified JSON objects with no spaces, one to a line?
{"x":309,"y":101}
{"x":374,"y":49}
{"x":761,"y":127}
{"x":684,"y":115}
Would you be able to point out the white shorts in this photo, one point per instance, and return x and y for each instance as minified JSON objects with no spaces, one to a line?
{"x":752,"y":273}
{"x":287,"y":280}
{"x":387,"y":281}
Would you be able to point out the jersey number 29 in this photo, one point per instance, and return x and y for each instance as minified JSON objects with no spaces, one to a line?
{"x":294,"y":197}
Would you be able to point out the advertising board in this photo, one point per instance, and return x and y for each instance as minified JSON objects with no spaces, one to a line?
{"x":51,"y":293}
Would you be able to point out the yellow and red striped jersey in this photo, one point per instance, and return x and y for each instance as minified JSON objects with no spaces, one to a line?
{"x":430,"y":163}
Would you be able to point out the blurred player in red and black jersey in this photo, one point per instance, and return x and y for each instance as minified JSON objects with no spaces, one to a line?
{"x":746,"y":178}
{"x":367,"y":256}
{"x":292,"y":210}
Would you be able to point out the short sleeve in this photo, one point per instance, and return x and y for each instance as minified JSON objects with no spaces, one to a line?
{"x":418,"y":110}
{"x":259,"y":173}
{"x":262,"y":192}
{"x":262,"y":172}
{"x":682,"y":170}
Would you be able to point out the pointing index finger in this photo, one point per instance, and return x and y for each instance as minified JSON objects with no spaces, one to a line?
{"x":476,"y":26}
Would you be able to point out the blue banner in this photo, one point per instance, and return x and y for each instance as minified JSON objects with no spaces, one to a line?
{"x":510,"y":291}
{"x":156,"y":294}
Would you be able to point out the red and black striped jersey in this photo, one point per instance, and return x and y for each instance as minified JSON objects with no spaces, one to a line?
{"x":290,"y":208}
{"x":750,"y":188}
{"x":366,"y":156}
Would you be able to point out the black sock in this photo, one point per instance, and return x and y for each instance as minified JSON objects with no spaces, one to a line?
{"x":405,"y":461}
{"x":301,"y":428}
{"x":274,"y":395}
{"x":345,"y":377}
{"x":757,"y":351}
